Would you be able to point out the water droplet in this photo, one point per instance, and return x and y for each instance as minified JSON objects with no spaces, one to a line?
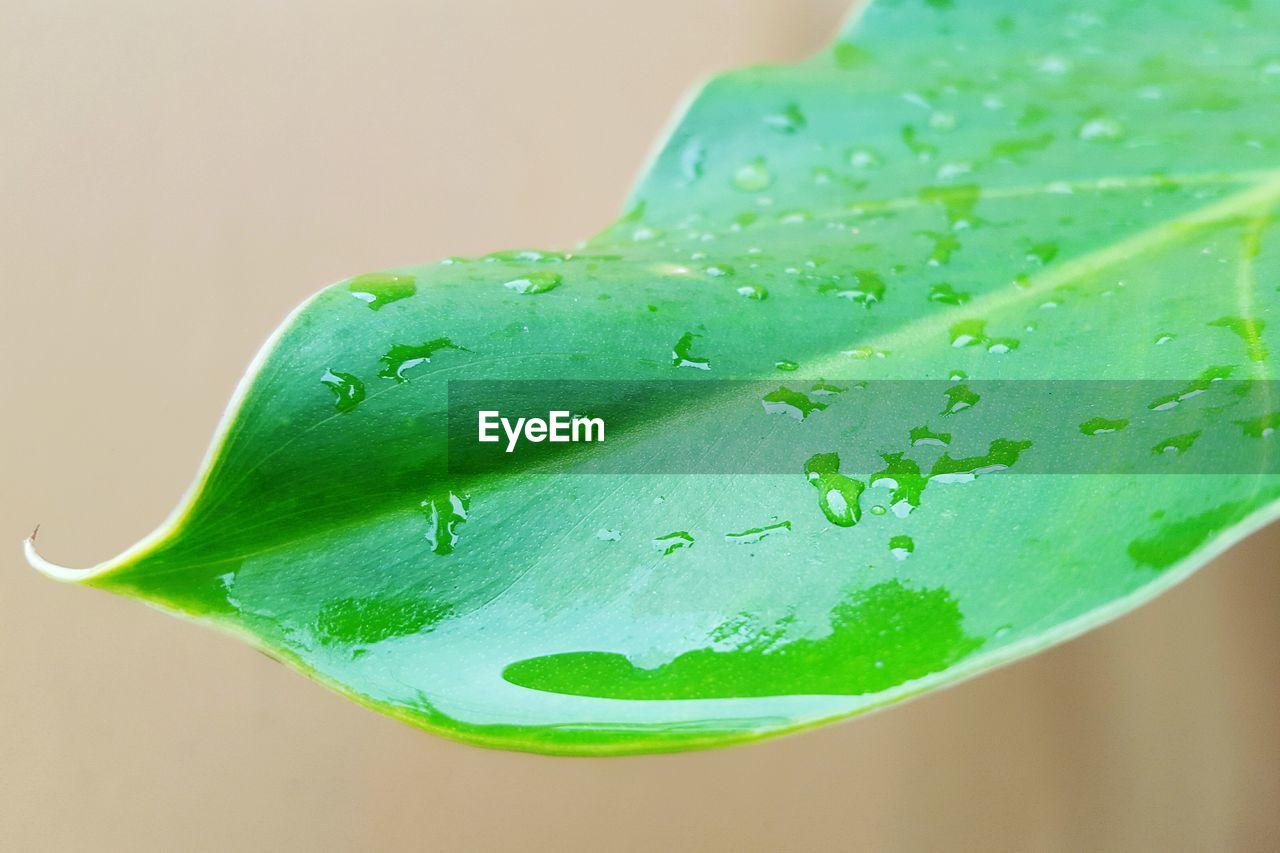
{"x":902,"y":547}
{"x":917,"y":146}
{"x":719,"y":270}
{"x":1042,"y":253}
{"x":946,"y":295}
{"x":753,"y":291}
{"x":959,"y":398}
{"x":789,"y":120}
{"x":534,"y":282}
{"x":401,"y":357}
{"x":1261,"y":427}
{"x":691,"y":159}
{"x":645,"y":233}
{"x":864,"y":158}
{"x":1249,"y":330}
{"x":968,"y":333}
{"x":1102,"y":129}
{"x":837,"y":494}
{"x":1054,"y":65}
{"x":539,"y":256}
{"x":922,"y":436}
{"x":787,"y":365}
{"x":671,"y":542}
{"x":445,"y":514}
{"x":903,"y":477}
{"x":958,"y":203}
{"x":1001,"y":455}
{"x":868,"y":288}
{"x":878,"y":509}
{"x":755,"y":534}
{"x":1193,"y":389}
{"x":682,"y":355}
{"x":825,"y":389}
{"x":347,"y":388}
{"x":1102,"y":426}
{"x":944,"y":246}
{"x":604,"y":534}
{"x":1177,"y":444}
{"x":1163,"y":339}
{"x":788,"y":402}
{"x":380,"y":288}
{"x":866,"y":352}
{"x":753,"y":177}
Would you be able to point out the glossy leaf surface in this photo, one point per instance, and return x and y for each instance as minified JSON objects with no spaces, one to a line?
{"x":954,"y":191}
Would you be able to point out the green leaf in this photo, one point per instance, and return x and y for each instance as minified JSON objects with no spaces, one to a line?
{"x":964,"y":193}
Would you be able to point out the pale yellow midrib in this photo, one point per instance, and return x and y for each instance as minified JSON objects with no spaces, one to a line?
{"x":1246,"y":283}
{"x":1259,"y":195}
{"x":1051,"y":188}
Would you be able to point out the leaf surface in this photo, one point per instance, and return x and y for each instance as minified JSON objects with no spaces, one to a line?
{"x":956,"y":193}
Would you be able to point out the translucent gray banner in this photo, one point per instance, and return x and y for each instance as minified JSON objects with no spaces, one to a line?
{"x":1210,"y":424}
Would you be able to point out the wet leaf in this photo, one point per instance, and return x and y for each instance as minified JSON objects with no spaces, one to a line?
{"x":959,"y":193}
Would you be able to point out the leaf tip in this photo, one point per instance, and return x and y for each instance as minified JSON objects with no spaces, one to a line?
{"x":52,"y":570}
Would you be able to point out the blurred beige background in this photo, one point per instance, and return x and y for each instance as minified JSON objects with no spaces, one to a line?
{"x":174,"y":176}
